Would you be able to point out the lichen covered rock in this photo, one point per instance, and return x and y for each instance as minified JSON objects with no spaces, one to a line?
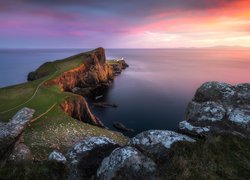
{"x":189,"y":128}
{"x":85,"y":157}
{"x":126,"y":163}
{"x":11,"y":131}
{"x":223,"y":107}
{"x":207,"y":111}
{"x":155,"y":142}
{"x":215,"y":91}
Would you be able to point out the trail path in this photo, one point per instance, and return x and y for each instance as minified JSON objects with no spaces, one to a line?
{"x":28,"y":100}
{"x":41,"y":115}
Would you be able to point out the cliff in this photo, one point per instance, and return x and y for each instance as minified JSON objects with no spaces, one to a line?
{"x":78,"y":108}
{"x":94,"y":71}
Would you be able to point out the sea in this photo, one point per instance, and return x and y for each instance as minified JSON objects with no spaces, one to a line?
{"x":154,"y":91}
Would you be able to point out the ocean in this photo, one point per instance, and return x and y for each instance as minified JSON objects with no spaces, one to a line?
{"x":154,"y":91}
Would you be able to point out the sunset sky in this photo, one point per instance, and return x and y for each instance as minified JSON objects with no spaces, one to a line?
{"x":124,"y":23}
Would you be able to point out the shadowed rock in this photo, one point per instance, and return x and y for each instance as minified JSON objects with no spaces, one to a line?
{"x":126,"y":163}
{"x":10,"y":132}
{"x":20,"y":153}
{"x":86,"y":156}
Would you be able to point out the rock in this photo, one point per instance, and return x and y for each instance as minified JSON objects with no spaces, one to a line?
{"x":243,"y":94}
{"x":206,"y":111}
{"x":11,"y":131}
{"x":120,"y":126}
{"x":118,"y":66}
{"x":57,"y":156}
{"x":86,"y":156}
{"x":157,"y":142}
{"x":126,"y":163}
{"x":187,"y":128}
{"x":223,"y":107}
{"x":240,"y":116}
{"x":20,"y":153}
{"x":215,"y":91}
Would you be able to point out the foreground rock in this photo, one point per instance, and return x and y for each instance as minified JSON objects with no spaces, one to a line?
{"x":156,"y":143}
{"x":86,"y":156}
{"x":222,"y":107}
{"x":20,"y":153}
{"x":11,"y":132}
{"x":126,"y":163}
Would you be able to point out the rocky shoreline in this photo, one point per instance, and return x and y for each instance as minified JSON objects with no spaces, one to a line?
{"x":211,"y":112}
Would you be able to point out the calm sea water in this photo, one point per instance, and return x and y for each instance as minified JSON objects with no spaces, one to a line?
{"x":154,"y":91}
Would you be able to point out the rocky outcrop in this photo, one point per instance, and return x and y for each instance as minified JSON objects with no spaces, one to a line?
{"x":11,"y":132}
{"x":118,"y":66}
{"x":126,"y":163}
{"x":78,"y":108}
{"x":86,"y":156}
{"x":221,"y":107}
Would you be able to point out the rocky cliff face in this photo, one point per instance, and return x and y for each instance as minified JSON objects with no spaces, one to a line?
{"x":95,"y":71}
{"x":78,"y":108}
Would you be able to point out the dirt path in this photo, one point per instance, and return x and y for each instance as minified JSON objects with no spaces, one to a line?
{"x":41,"y":115}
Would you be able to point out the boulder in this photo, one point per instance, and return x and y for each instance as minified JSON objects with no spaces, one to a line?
{"x":57,"y":156}
{"x":215,"y":91}
{"x":126,"y":163}
{"x":156,"y":143}
{"x":240,"y":116}
{"x":86,"y":156}
{"x":206,"y":111}
{"x":11,"y":131}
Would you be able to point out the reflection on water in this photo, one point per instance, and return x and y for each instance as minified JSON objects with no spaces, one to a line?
{"x":154,"y":91}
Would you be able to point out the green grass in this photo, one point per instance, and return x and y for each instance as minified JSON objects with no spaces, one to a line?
{"x":55,"y":130}
{"x":217,"y":157}
{"x":34,"y":170}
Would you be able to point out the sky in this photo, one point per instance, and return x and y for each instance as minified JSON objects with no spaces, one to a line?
{"x":124,"y":23}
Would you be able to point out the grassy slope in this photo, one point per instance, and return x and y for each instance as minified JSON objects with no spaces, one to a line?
{"x":55,"y":130}
{"x":216,"y":157}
